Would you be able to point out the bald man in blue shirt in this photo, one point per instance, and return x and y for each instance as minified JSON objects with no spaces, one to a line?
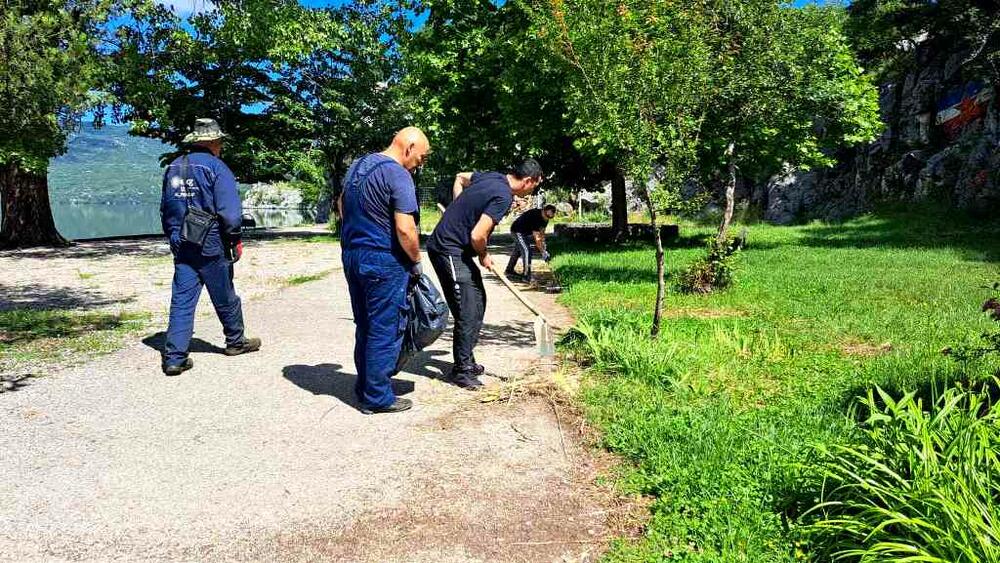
{"x":381,"y":253}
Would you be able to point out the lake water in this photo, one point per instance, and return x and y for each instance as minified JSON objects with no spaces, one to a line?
{"x":81,"y":220}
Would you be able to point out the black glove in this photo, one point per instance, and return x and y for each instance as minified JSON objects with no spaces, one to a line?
{"x":546,"y":256}
{"x":416,"y":270}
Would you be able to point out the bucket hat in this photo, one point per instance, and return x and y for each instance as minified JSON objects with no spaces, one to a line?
{"x":205,"y":129}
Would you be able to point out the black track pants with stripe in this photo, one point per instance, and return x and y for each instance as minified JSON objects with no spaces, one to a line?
{"x":462,"y":284}
{"x":522,"y":250}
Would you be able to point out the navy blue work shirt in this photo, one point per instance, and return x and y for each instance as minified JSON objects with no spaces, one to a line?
{"x":375,"y":189}
{"x":489,"y":194}
{"x":210,"y":186}
{"x":531,"y":221}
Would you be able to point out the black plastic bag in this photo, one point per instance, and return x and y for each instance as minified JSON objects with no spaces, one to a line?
{"x":427,"y":319}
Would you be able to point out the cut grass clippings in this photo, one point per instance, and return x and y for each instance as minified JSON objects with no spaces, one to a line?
{"x":306,"y":278}
{"x":713,"y":417}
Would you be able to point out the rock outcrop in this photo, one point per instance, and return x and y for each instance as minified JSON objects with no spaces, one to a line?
{"x":272,"y":196}
{"x":941,"y":144}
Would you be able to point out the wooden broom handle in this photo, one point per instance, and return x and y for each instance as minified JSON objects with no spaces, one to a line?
{"x":517,"y":293}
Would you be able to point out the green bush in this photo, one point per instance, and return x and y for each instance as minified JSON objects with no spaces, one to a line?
{"x":921,"y":482}
{"x":714,"y":271}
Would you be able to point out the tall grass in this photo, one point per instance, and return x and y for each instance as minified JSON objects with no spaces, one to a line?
{"x":921,"y":483}
{"x":715,"y":417}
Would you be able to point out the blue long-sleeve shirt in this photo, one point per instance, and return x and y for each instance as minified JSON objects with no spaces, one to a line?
{"x":210,"y":186}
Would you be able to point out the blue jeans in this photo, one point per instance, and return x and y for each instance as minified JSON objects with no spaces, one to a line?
{"x":377,"y":282}
{"x":192,"y":271}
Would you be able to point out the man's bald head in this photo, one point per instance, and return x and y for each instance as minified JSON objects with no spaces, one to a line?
{"x":409,"y":148}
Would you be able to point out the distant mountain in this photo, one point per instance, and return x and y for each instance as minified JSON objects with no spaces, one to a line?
{"x":108,"y":166}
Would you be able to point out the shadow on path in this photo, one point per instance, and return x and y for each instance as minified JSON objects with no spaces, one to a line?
{"x":426,"y":364}
{"x":140,"y":247}
{"x":158,"y":342}
{"x":37,"y":296}
{"x":330,"y":379}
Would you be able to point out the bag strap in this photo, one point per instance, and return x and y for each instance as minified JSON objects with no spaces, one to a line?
{"x":358,"y":182}
{"x":185,"y":166}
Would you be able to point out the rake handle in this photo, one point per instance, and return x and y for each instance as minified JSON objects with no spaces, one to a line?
{"x":517,"y":293}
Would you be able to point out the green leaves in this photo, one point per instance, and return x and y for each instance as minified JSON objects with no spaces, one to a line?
{"x":49,"y":69}
{"x":489,"y":91}
{"x":920,"y":484}
{"x":291,"y":84}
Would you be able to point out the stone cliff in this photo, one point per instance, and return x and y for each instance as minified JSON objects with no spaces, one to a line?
{"x":941,"y":144}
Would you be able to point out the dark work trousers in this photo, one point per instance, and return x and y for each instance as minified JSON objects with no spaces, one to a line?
{"x":377,"y":282}
{"x":522,"y":250}
{"x":192,"y":271}
{"x":462,"y":284}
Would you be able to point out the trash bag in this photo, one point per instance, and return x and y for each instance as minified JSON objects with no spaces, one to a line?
{"x":427,"y":319}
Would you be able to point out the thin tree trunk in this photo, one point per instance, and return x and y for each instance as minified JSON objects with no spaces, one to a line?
{"x":619,"y":204}
{"x":27,"y":215}
{"x":727,"y":216}
{"x":660,"y":275}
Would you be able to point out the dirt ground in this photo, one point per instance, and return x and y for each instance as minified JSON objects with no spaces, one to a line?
{"x":266,"y":456}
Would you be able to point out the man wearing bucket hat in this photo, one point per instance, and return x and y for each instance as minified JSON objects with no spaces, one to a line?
{"x":201,"y":215}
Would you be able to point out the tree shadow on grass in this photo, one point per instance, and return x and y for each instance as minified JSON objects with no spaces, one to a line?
{"x":21,"y":326}
{"x":636,"y":272}
{"x":44,"y":297}
{"x":926,"y":387}
{"x":330,"y":379}
{"x":975,"y":239}
{"x":150,"y":247}
{"x":158,"y":342}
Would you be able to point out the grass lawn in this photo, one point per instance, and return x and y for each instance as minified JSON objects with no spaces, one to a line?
{"x":714,"y":416}
{"x":32,"y":339}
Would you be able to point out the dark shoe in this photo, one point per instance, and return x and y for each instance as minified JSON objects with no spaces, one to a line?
{"x":478,"y":370}
{"x":248,"y":345}
{"x":399,"y":406}
{"x":465,"y":380}
{"x":177,"y":369}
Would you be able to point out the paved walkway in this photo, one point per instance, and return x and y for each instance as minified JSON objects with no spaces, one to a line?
{"x":265,"y":457}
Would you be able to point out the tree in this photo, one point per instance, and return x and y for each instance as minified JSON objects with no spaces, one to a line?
{"x":352,"y":87}
{"x":49,"y":67}
{"x":641,"y":70}
{"x":231,"y":63}
{"x":489,"y":91}
{"x":301,"y":91}
{"x":884,"y":31}
{"x":785,"y":90}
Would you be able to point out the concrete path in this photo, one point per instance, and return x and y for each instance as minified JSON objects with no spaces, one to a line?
{"x":265,"y":457}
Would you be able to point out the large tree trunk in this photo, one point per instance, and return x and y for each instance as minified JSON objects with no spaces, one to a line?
{"x":727,"y":216}
{"x":27,"y":215}
{"x":619,"y":204}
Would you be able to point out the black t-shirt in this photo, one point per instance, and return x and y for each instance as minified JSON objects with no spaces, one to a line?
{"x":488,"y":194}
{"x":530,"y":221}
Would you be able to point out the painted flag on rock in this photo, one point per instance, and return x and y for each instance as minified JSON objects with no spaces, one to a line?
{"x":962,"y":107}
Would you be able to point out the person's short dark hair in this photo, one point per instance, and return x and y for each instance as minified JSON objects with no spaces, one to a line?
{"x":551,"y":208}
{"x":528,"y":168}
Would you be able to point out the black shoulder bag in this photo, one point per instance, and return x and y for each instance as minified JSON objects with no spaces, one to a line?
{"x":197,"y":222}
